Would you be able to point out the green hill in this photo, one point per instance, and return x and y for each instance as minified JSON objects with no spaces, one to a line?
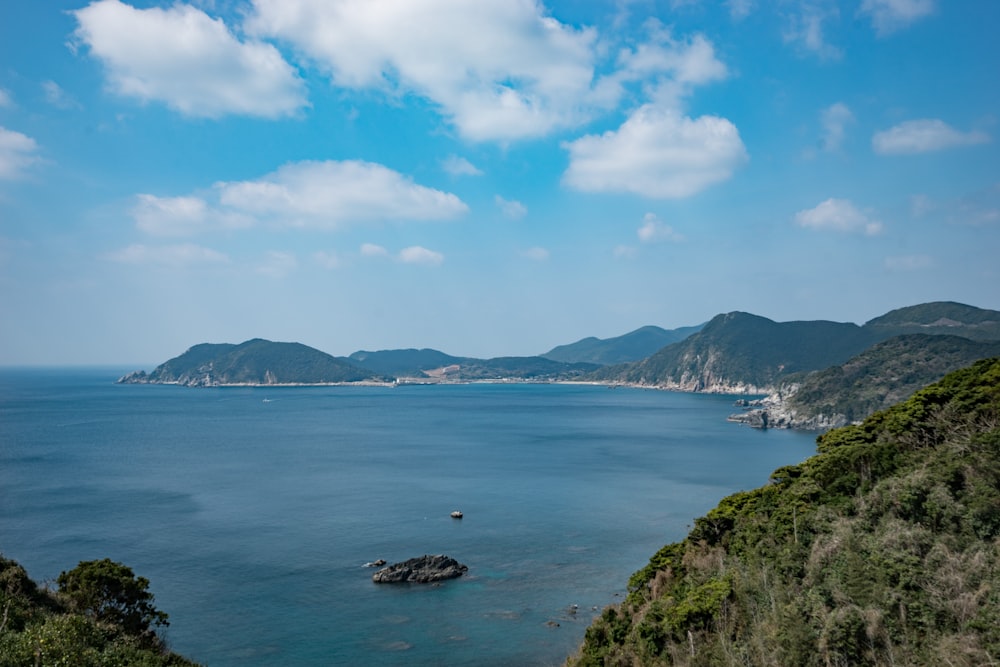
{"x":941,"y":317}
{"x":440,"y":366}
{"x":633,"y":346}
{"x":740,"y":352}
{"x":879,"y":550}
{"x":883,"y":375}
{"x":404,"y":363}
{"x":744,"y":353}
{"x":255,"y":362}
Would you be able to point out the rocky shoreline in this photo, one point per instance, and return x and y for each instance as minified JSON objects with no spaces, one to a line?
{"x":773,"y":411}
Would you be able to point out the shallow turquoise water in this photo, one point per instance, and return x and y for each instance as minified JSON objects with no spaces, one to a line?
{"x":252,"y":518}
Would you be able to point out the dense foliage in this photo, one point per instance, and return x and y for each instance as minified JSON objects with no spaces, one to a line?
{"x":879,"y":550}
{"x":100,"y":616}
{"x":885,"y":374}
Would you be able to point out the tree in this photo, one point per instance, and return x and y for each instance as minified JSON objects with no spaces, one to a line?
{"x":109,"y":592}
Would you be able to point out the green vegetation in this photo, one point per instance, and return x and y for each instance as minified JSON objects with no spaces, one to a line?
{"x":100,"y":616}
{"x":256,"y":361}
{"x":940,"y":317}
{"x":743,"y":349}
{"x":879,"y":550}
{"x":742,"y":352}
{"x":885,"y":374}
{"x":633,"y":346}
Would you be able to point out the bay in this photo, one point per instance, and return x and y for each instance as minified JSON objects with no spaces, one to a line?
{"x":253,"y":510}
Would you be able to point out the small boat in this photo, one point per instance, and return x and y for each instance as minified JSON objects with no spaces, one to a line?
{"x":456,"y":515}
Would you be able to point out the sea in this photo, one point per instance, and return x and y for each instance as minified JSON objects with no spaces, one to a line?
{"x":254,"y":511}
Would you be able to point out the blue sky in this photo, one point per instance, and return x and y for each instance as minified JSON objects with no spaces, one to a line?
{"x":487,"y":177}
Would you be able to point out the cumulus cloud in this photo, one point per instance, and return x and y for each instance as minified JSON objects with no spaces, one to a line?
{"x":888,"y":16}
{"x":315,"y":195}
{"x":908,"y":263}
{"x":497,"y":70}
{"x":923,"y":136}
{"x":420,"y":255}
{"x":18,"y":152}
{"x":169,"y":256}
{"x":653,"y":230}
{"x":838,"y":215}
{"x":834,"y":119}
{"x":656,"y":153}
{"x":459,"y":166}
{"x":170,"y":216}
{"x":671,"y":66}
{"x":331,"y":194}
{"x":510,"y":208}
{"x":535,"y":253}
{"x":186,"y":59}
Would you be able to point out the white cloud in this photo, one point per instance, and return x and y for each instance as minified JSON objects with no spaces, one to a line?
{"x":535,"y":253}
{"x":331,"y":194}
{"x":57,"y":97}
{"x":923,"y":136}
{"x":188,"y":60}
{"x":510,"y":208}
{"x":838,"y":215}
{"x":278,"y":264}
{"x":656,"y":153}
{"x":372,"y":250}
{"x":834,"y":120}
{"x":653,"y":230}
{"x":170,"y":256}
{"x":805,"y":29}
{"x":6,"y":101}
{"x":459,"y":166}
{"x":690,"y":61}
{"x":419,"y":255}
{"x":170,"y":216}
{"x":908,"y":263}
{"x":18,"y":152}
{"x":888,"y":16}
{"x":497,"y":70}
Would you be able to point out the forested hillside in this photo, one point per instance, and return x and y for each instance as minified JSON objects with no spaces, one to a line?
{"x":884,"y":375}
{"x":879,"y":550}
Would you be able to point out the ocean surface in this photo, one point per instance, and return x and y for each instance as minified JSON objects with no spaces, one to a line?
{"x":253,"y":510}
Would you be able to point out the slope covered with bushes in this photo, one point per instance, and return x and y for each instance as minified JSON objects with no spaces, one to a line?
{"x":880,"y":550}
{"x":102,"y":615}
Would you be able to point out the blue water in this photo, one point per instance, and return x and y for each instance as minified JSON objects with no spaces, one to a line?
{"x":252,"y":511}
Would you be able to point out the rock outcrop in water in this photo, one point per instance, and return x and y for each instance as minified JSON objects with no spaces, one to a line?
{"x":421,"y":570}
